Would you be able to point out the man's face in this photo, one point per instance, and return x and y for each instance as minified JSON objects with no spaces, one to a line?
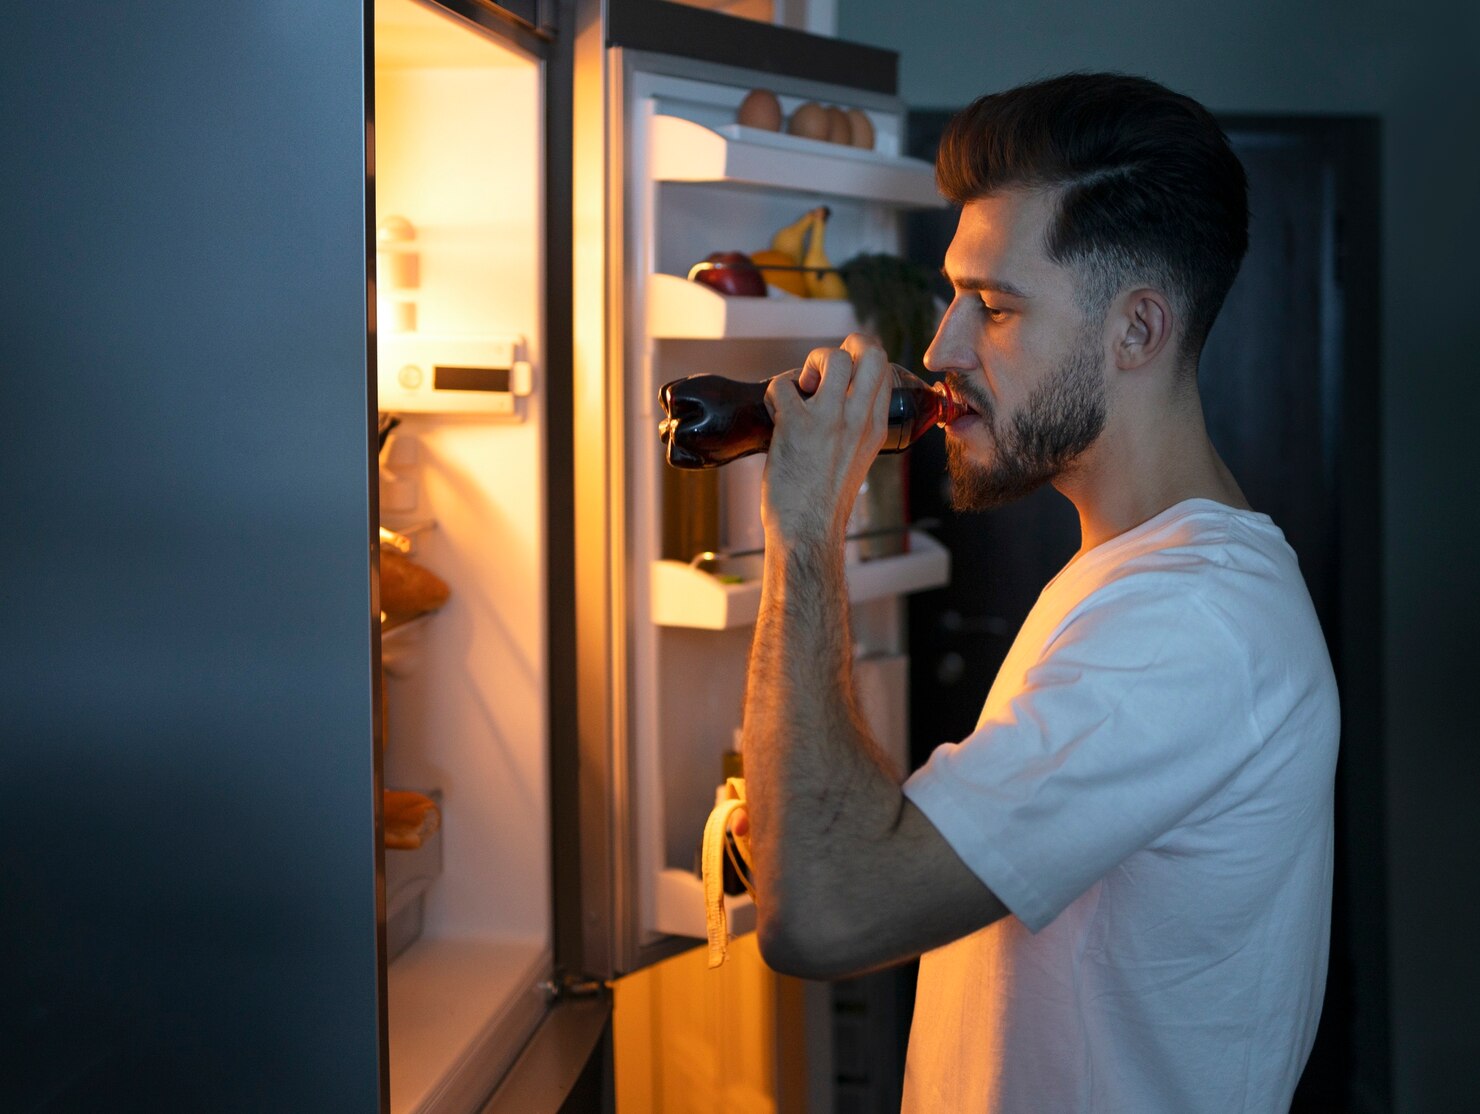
{"x":1017,"y":348}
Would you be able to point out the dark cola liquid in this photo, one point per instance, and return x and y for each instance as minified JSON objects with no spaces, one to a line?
{"x":710,"y":420}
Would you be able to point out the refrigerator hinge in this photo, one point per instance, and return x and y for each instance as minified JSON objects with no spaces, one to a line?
{"x":570,"y":986}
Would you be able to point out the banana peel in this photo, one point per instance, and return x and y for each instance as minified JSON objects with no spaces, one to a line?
{"x":713,"y":851}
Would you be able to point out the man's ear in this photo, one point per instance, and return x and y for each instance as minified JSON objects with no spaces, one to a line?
{"x":1142,"y":325}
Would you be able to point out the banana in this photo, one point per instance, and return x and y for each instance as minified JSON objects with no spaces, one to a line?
{"x":791,"y":241}
{"x":789,"y":280}
{"x":825,"y":283}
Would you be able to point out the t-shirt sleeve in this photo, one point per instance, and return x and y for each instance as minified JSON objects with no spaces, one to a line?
{"x":1137,"y":712}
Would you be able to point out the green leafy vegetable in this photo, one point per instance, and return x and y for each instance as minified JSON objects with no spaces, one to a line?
{"x":892,"y":297}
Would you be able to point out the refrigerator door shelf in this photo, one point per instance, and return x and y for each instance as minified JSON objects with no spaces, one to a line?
{"x":684,"y":596}
{"x":678,"y":309}
{"x":681,"y":906}
{"x":683,"y":151}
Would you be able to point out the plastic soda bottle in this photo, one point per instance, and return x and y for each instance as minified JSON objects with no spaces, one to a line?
{"x":710,"y":420}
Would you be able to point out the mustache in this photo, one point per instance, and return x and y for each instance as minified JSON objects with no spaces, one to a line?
{"x":970,"y":393}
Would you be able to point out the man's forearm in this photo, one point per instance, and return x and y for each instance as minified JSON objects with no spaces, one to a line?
{"x":821,"y":792}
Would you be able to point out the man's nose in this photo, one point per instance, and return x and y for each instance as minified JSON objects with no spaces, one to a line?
{"x":949,"y":351}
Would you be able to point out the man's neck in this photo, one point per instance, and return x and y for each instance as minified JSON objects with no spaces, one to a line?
{"x":1135,"y":471}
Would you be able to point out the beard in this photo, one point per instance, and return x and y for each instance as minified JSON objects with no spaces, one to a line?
{"x":1062,"y":417}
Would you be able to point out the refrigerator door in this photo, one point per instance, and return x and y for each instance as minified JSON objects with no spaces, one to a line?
{"x":664,"y":176}
{"x":195,"y":906}
{"x":190,"y":907}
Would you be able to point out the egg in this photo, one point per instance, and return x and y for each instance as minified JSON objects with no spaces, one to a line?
{"x":838,"y":128}
{"x":863,"y":128}
{"x":760,"y":109}
{"x":809,"y":121}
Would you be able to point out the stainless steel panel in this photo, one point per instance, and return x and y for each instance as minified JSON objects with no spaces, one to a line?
{"x":598,"y":493}
{"x":186,"y":702}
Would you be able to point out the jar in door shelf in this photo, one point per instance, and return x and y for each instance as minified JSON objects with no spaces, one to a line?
{"x":740,"y":505}
{"x":690,"y":512}
{"x":879,"y":512}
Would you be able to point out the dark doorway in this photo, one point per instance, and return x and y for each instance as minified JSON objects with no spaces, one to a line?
{"x":1289,"y":384}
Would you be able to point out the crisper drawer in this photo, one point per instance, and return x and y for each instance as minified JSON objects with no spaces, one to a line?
{"x":409,"y":874}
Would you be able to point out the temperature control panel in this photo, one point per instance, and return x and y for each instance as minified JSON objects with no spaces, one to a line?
{"x":422,"y":373}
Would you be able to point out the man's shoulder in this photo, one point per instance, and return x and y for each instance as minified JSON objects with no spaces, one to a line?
{"x":1225,"y":591}
{"x":1225,"y":585}
{"x":1213,"y":555}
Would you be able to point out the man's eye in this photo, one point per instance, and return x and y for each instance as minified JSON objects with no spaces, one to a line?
{"x":994,"y":312}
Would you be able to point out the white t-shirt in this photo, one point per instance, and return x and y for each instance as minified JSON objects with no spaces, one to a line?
{"x":1149,"y":791}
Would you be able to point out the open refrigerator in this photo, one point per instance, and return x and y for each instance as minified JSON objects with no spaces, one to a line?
{"x":281,"y":224}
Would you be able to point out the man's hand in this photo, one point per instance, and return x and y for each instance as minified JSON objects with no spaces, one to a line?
{"x":823,"y":444}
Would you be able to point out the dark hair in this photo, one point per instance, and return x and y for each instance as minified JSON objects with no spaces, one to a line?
{"x":1148,"y":188}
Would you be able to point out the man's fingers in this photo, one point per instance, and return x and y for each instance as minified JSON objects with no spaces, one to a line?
{"x":810,"y":377}
{"x":856,"y":344}
{"x":854,"y":381}
{"x":824,"y":366}
{"x":837,"y":374}
{"x":868,"y":355}
{"x":781,"y":395}
{"x":838,"y":364}
{"x":872,"y":377}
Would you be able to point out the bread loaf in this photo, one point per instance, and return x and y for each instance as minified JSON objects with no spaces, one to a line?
{"x":410,"y":818}
{"x":408,"y":589}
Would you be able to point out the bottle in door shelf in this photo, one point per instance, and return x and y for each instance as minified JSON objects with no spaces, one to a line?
{"x":710,"y":420}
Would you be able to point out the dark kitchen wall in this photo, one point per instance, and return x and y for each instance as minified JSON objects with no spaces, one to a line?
{"x":1411,"y":66}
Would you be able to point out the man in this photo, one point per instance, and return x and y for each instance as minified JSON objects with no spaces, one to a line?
{"x":1121,"y":879}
